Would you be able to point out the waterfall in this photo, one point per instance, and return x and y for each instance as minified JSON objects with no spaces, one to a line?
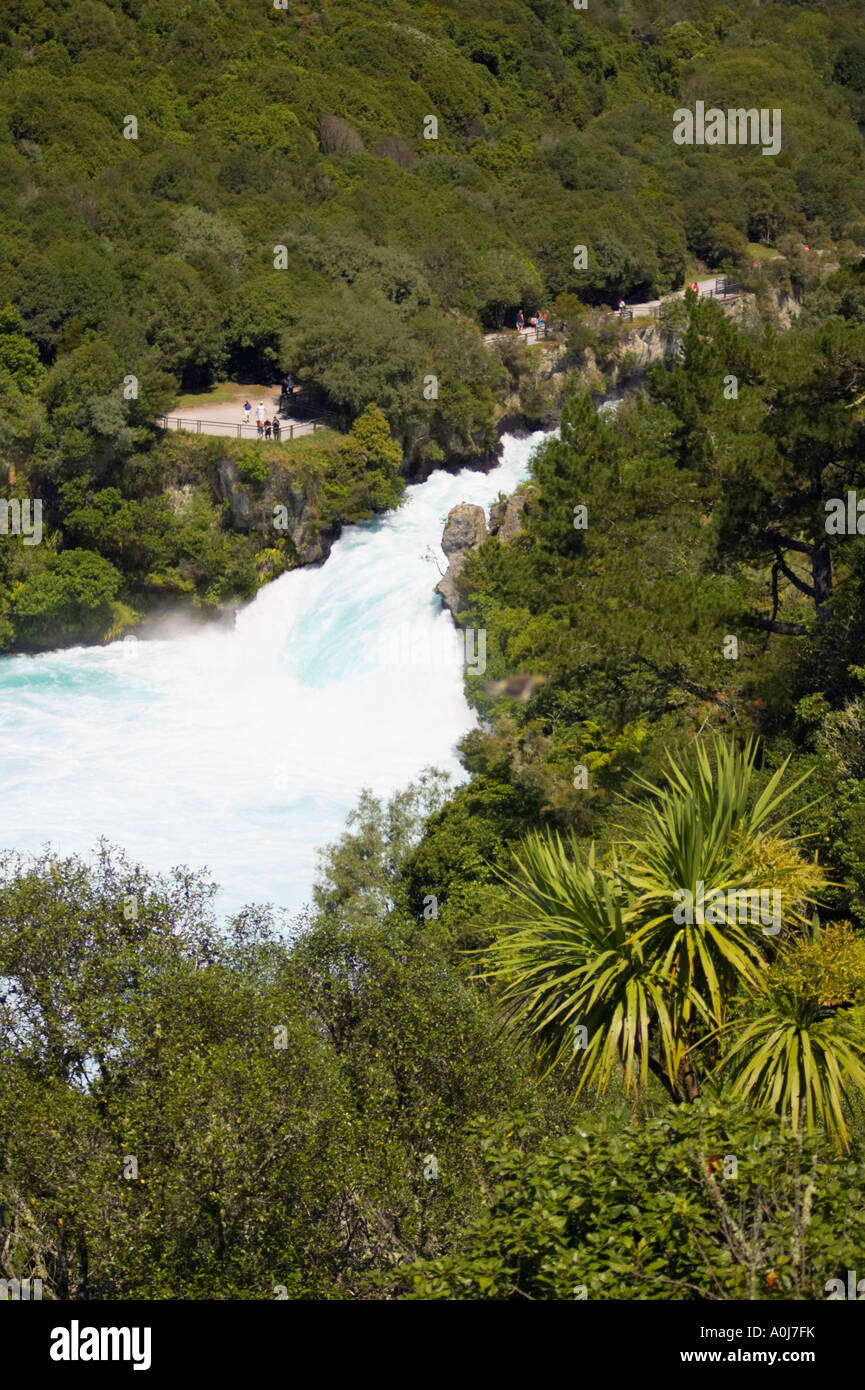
{"x":243,"y":749}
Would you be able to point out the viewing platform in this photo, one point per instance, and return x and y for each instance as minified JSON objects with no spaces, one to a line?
{"x":528,"y":334}
{"x":225,"y":414}
{"x":716,"y":287}
{"x":719,"y":287}
{"x":288,"y":428}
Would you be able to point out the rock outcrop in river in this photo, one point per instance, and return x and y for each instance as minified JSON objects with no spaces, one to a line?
{"x":466,"y":530}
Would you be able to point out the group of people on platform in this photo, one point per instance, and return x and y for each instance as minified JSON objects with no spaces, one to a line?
{"x":267,"y":429}
{"x":538,"y":322}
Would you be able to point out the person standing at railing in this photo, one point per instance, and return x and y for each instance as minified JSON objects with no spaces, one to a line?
{"x":276,"y":427}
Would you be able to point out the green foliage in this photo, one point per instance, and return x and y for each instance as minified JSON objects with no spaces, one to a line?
{"x":18,"y":357}
{"x":253,"y":468}
{"x":252,"y":1080}
{"x":362,"y":871}
{"x":131,"y":270}
{"x":368,"y":466}
{"x":72,"y":594}
{"x":607,"y":946}
{"x":803,"y":1052}
{"x":644,"y":1212}
{"x":156,"y":258}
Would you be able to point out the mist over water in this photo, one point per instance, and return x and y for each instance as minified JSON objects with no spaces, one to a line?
{"x":243,"y":749}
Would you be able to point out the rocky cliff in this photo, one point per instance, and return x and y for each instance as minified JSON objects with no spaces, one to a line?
{"x":251,"y":509}
{"x":466,"y":530}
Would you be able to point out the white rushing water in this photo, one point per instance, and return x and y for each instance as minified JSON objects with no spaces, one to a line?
{"x":243,"y":749}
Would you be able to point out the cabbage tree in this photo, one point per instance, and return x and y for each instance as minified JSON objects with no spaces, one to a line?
{"x":644,"y":959}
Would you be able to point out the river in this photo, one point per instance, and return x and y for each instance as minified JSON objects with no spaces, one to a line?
{"x":242,"y":749}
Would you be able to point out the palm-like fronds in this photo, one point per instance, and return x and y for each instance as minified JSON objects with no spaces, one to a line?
{"x":705,"y":827}
{"x":799,"y":1064}
{"x":567,"y":960}
{"x":803,"y":1053}
{"x":601,"y":946}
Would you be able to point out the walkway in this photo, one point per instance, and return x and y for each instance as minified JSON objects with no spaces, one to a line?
{"x":528,"y":335}
{"x":289,"y":428}
{"x":714,"y":287}
{"x":227,"y":417}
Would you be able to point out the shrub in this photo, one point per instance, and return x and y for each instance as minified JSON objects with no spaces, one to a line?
{"x":657,"y":1211}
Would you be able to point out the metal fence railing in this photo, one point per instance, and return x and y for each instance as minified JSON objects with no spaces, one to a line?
{"x":527,"y":333}
{"x":723,"y":288}
{"x":288,"y":429}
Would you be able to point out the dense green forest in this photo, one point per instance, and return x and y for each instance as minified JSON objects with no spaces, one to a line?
{"x":384,"y":1098}
{"x":158,"y":161}
{"x":492,"y":1060}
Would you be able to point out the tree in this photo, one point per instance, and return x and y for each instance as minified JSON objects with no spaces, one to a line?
{"x":805,"y":1049}
{"x":647,"y":955}
{"x":713,"y":350}
{"x":87,"y":412}
{"x":370,"y":459}
{"x":257,"y":315}
{"x":808,"y":449}
{"x":196,"y":1110}
{"x":362,"y":870}
{"x":18,"y":356}
{"x":72,"y":593}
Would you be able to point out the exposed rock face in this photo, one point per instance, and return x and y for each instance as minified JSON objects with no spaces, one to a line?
{"x":252,"y":510}
{"x":230,"y":489}
{"x":506,"y":518}
{"x":647,"y":346}
{"x":786,"y":309}
{"x":465,"y":529}
{"x":650,"y":344}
